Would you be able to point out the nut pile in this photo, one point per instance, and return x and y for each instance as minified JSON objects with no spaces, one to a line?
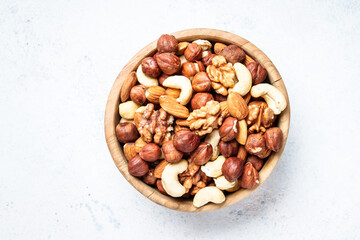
{"x":198,"y":121}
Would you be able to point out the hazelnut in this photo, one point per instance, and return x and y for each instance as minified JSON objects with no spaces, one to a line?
{"x":265,"y":154}
{"x":274,"y":138}
{"x":250,"y":177}
{"x":171,"y":154}
{"x":199,"y":66}
{"x":207,"y":60}
{"x":256,"y":162}
{"x":200,"y":99}
{"x":129,"y":151}
{"x":167,"y":43}
{"x":149,"y":177}
{"x":202,"y":154}
{"x":255,"y":144}
{"x":126,"y":132}
{"x":155,"y":56}
{"x":150,"y":152}
{"x":137,"y":94}
{"x":193,"y":52}
{"x":186,"y":141}
{"x":232,"y":168}
{"x":162,"y":78}
{"x":258,"y":72}
{"x":150,"y":67}
{"x":229,"y":129}
{"x":138,"y":167}
{"x":220,"y":98}
{"x":188,"y":69}
{"x":233,"y":54}
{"x":229,"y":149}
{"x":201,"y":82}
{"x":160,"y":187}
{"x":242,"y":153}
{"x":169,"y":63}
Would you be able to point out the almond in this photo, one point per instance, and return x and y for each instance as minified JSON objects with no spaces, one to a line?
{"x":153,"y":94}
{"x":248,"y":60}
{"x":242,"y":133}
{"x":237,"y":106}
{"x":218,"y":47}
{"x":128,"y":84}
{"x":173,"y":92}
{"x":139,"y":144}
{"x":160,"y":168}
{"x":170,"y":105}
{"x":129,"y":151}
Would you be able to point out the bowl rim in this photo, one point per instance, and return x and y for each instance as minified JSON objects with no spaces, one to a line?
{"x":112,"y":118}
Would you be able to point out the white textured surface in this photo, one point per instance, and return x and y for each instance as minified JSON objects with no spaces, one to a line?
{"x":58,"y":61}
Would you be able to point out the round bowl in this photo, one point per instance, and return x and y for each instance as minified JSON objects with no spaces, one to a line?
{"x":112,"y":118}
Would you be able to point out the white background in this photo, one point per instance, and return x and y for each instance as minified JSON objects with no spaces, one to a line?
{"x":58,"y":61}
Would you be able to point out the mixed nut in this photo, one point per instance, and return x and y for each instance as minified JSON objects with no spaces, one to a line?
{"x":198,"y":120}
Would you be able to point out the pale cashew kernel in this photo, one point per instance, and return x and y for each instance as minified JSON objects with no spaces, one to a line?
{"x":204,"y":44}
{"x":214,"y":138}
{"x":182,"y":83}
{"x":170,"y":180}
{"x":127,"y":109}
{"x":244,"y":83}
{"x":213,"y":169}
{"x":224,"y":184}
{"x":122,"y":120}
{"x":208,"y":194}
{"x":273,"y":97}
{"x":144,"y":79}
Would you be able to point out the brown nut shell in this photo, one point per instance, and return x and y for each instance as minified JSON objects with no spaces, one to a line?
{"x":233,"y":54}
{"x":193,"y":52}
{"x":274,"y":138}
{"x":129,"y":150}
{"x":150,"y":67}
{"x":229,"y":149}
{"x":186,"y":141}
{"x":137,"y":94}
{"x":201,"y":82}
{"x":232,"y":168}
{"x":169,"y":63}
{"x":258,"y":72}
{"x":150,"y":152}
{"x":128,"y":84}
{"x":255,"y":144}
{"x":200,"y":99}
{"x":167,"y":43}
{"x":250,"y":177}
{"x":256,"y":162}
{"x":126,"y":132}
{"x":171,"y":154}
{"x":149,"y":177}
{"x":202,"y":154}
{"x":138,"y":167}
{"x":229,"y":129}
{"x":160,"y":187}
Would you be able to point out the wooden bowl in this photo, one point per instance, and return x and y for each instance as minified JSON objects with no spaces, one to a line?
{"x":112,"y":118}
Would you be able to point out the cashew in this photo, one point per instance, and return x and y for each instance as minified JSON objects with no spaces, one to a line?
{"x":242,"y":133}
{"x":208,"y":194}
{"x":170,"y":180}
{"x":183,"y":60}
{"x":141,"y":109}
{"x":213,"y":169}
{"x":243,"y":75}
{"x":144,"y":79}
{"x":122,"y":120}
{"x":182,"y":83}
{"x":224,"y":184}
{"x":127,"y":109}
{"x":204,"y":44}
{"x":214,"y":138}
{"x":273,"y":97}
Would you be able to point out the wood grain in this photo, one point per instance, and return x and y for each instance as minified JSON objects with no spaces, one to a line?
{"x":112,"y":118}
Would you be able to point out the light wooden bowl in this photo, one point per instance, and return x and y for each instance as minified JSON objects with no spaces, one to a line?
{"x":112,"y":118}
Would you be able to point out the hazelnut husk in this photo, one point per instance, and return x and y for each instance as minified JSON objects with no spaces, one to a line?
{"x":150,"y":67}
{"x":137,"y":94}
{"x":149,"y":177}
{"x":193,"y":52}
{"x":186,"y":141}
{"x":171,"y":154}
{"x":137,"y":166}
{"x":229,"y":129}
{"x":274,"y":138}
{"x":232,"y":168}
{"x":202,"y":154}
{"x":229,"y":149}
{"x":256,"y":162}
{"x":150,"y":152}
{"x":126,"y":132}
{"x":167,"y":43}
{"x":255,"y":144}
{"x":233,"y":54}
{"x":250,"y":177}
{"x":201,"y":82}
{"x":200,"y":99}
{"x":258,"y":72}
{"x":169,"y":63}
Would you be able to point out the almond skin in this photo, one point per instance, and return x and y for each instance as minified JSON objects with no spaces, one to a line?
{"x":129,"y":151}
{"x":153,"y":94}
{"x":128,"y":84}
{"x":160,"y":168}
{"x":170,"y":105}
{"x":237,"y":106}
